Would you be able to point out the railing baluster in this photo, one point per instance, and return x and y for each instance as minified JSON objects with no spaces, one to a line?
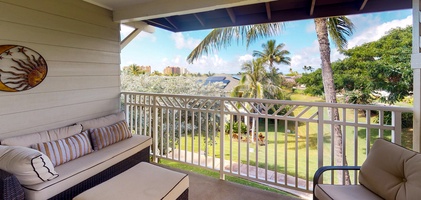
{"x":397,"y":123}
{"x":320,"y":138}
{"x":176,"y":122}
{"x":222,"y":140}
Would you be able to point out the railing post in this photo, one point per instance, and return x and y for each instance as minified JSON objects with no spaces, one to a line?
{"x":155,"y":130}
{"x":320,"y":137}
{"x":221,"y":140}
{"x":397,"y":124}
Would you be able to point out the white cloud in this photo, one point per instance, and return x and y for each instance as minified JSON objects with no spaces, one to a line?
{"x":183,"y":42}
{"x":245,"y":58}
{"x":373,"y":33}
{"x":311,"y":28}
{"x":213,"y":63}
{"x":309,"y":56}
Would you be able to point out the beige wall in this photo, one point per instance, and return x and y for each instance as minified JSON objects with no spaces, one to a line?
{"x":80,"y":43}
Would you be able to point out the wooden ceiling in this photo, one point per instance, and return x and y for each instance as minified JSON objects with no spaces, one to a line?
{"x":274,"y":11}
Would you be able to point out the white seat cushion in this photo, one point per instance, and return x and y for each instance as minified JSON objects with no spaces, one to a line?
{"x":143,"y":181}
{"x":344,"y":192}
{"x":75,"y":171}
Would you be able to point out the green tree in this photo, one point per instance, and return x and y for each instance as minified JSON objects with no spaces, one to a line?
{"x":273,"y":53}
{"x":134,"y":69}
{"x":337,"y":27}
{"x":209,"y":74}
{"x":379,"y":65}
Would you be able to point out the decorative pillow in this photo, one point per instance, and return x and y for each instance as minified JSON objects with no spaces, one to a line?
{"x":44,"y":136}
{"x":103,"y":121}
{"x":66,"y":149}
{"x":102,"y":137}
{"x":28,"y":165}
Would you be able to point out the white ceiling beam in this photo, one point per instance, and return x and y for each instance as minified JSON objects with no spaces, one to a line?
{"x":141,"y":26}
{"x":313,"y":4}
{"x":199,"y":19}
{"x":165,"y":8}
{"x":268,"y":11}
{"x":172,"y":24}
{"x":363,"y":4}
{"x":231,"y":14}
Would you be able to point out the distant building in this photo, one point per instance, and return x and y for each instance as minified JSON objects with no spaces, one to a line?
{"x":228,"y":82}
{"x":175,"y":70}
{"x":184,"y":70}
{"x":146,"y":69}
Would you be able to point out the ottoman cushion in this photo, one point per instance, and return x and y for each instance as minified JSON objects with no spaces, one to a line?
{"x":143,"y":181}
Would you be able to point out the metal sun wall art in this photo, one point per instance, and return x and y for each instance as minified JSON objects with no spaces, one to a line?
{"x":21,"y":68}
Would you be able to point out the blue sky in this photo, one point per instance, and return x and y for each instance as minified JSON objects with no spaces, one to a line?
{"x":164,"y":48}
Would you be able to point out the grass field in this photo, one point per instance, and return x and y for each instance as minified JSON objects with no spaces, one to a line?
{"x":288,"y":152}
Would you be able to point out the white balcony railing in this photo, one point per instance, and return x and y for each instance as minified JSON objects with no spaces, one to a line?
{"x":276,"y":142}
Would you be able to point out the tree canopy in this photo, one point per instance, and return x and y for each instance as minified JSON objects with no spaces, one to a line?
{"x":382,"y":65}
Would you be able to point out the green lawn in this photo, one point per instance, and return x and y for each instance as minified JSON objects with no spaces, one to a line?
{"x":287,"y":152}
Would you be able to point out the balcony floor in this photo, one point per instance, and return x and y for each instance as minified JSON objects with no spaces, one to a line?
{"x":203,"y":187}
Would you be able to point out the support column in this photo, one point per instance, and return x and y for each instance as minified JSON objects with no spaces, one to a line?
{"x":138,"y":27}
{"x":416,"y":67}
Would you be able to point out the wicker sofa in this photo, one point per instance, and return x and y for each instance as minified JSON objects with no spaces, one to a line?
{"x":32,"y":173}
{"x":389,"y":172}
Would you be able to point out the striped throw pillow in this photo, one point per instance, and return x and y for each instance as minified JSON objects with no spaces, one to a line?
{"x":104,"y":136}
{"x":66,"y":149}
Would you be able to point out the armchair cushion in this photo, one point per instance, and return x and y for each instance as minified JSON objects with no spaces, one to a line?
{"x":344,"y":192}
{"x":391,"y":171}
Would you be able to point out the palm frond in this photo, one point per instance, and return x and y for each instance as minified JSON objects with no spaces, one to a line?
{"x":339,"y":28}
{"x":223,"y":37}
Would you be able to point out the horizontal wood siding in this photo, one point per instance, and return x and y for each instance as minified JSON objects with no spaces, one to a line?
{"x":80,"y":43}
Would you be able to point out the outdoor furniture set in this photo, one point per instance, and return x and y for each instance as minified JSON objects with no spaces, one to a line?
{"x":99,"y":155}
{"x":389,"y":172}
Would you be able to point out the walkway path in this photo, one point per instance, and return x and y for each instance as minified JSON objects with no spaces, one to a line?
{"x":245,"y":171}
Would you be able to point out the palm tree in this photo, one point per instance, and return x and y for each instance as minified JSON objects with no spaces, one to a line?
{"x":134,"y":69}
{"x":223,"y":37}
{"x":255,"y":83}
{"x":337,"y":27}
{"x":251,"y":82}
{"x":273,"y":53}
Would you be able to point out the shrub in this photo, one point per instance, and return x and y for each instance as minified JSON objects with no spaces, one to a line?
{"x":243,"y":128}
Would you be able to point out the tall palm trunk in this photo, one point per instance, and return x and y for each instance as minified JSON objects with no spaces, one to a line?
{"x":330,"y":93}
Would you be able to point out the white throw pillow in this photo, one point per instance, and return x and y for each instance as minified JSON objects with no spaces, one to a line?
{"x":102,"y":121}
{"x":28,"y":165}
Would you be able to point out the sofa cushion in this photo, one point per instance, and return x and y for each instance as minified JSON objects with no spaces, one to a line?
{"x":392,"y":171}
{"x":104,"y":136}
{"x":343,"y":192}
{"x":28,"y":165}
{"x":102,"y":121}
{"x":74,"y":172}
{"x":44,"y":136}
{"x":66,"y":149}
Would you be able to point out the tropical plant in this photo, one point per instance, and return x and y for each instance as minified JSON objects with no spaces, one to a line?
{"x":308,"y":68}
{"x":134,"y":69}
{"x":273,"y":53}
{"x":337,"y":27}
{"x":223,"y":37}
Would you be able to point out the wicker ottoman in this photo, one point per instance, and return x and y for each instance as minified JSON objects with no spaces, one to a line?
{"x":143,"y":181}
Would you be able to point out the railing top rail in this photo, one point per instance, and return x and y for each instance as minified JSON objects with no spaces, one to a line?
{"x":271,"y":101}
